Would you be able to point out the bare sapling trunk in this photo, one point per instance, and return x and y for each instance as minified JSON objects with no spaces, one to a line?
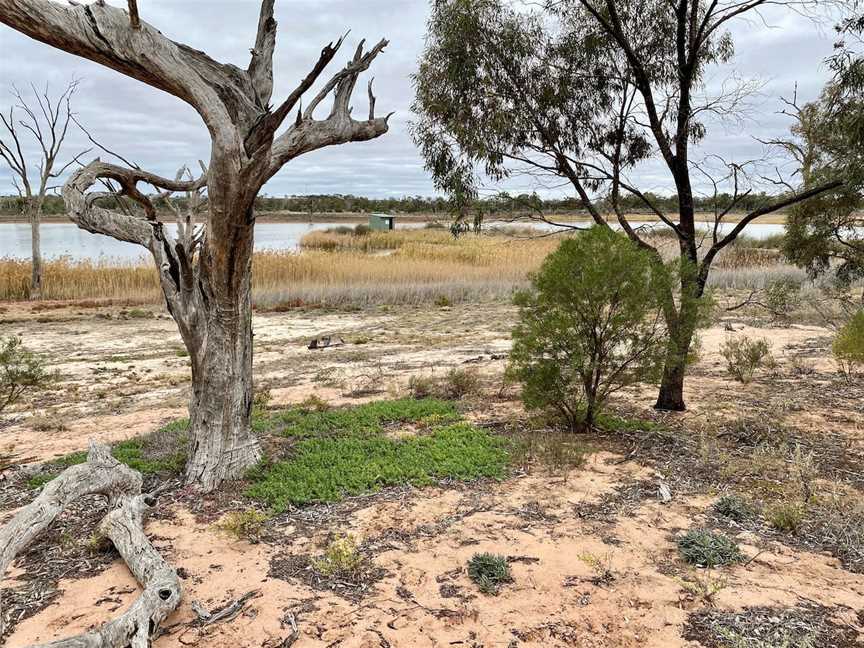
{"x":205,"y":271}
{"x":35,"y":255}
{"x":103,"y":475}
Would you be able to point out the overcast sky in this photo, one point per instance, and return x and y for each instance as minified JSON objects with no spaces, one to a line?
{"x":161,"y":133}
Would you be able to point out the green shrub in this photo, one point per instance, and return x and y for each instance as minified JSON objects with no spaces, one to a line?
{"x":734,"y":507}
{"x":342,"y":559}
{"x":848,"y":346}
{"x":422,"y":386}
{"x":261,"y":400}
{"x":786,"y":517}
{"x":489,"y":572}
{"x":367,"y":419}
{"x":590,"y":325}
{"x":459,"y":383}
{"x":161,"y":452}
{"x":326,"y":469}
{"x":314,"y":403}
{"x":706,"y":548}
{"x":244,"y":525}
{"x":20,"y":371}
{"x":557,"y":451}
{"x":782,"y":297}
{"x":744,"y":356}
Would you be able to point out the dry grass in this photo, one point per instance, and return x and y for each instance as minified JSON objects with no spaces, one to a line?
{"x":337,"y":269}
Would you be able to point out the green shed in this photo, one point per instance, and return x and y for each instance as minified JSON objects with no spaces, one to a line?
{"x":381,"y":222}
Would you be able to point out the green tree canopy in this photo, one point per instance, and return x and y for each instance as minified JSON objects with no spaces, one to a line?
{"x":591,"y":324}
{"x":580,"y":92}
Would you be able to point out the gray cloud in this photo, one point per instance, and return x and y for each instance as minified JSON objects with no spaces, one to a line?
{"x":161,"y":133}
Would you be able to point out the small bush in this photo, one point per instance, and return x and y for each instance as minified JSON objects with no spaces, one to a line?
{"x":786,"y":517}
{"x":341,"y":559}
{"x":744,"y":356}
{"x":848,"y":346}
{"x":601,"y":566}
{"x":782,"y":297}
{"x":244,"y":525}
{"x":261,"y":400}
{"x":20,"y":371}
{"x":51,"y":422}
{"x":556,"y":451}
{"x":734,"y":507}
{"x":314,"y":403}
{"x":459,"y":383}
{"x":442,"y":301}
{"x":137,"y":313}
{"x":590,"y":325}
{"x":421,"y":387}
{"x":705,"y":548}
{"x":361,"y":230}
{"x":489,"y":572}
{"x":704,"y":588}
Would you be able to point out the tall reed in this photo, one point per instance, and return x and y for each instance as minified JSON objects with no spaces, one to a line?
{"x":404,"y":266}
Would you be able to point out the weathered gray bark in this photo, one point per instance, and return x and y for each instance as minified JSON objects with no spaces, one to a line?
{"x":135,"y":628}
{"x":101,"y":475}
{"x":123,"y":525}
{"x":206,"y":277}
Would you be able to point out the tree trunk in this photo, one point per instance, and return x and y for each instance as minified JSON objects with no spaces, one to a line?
{"x":671,"y":396}
{"x":223,"y":446}
{"x":35,"y":255}
{"x":222,"y":443}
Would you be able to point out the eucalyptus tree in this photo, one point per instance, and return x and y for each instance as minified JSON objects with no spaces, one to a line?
{"x":45,"y":120}
{"x":205,"y":278}
{"x":828,"y":142}
{"x":581,"y":91}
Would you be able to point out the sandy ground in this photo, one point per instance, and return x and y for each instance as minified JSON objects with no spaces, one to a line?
{"x":121,"y":377}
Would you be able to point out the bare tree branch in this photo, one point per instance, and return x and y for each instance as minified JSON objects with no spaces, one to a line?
{"x":133,"y":14}
{"x":261,"y":66}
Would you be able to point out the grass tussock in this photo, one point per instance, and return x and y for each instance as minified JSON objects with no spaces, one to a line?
{"x":489,"y":572}
{"x":705,"y":548}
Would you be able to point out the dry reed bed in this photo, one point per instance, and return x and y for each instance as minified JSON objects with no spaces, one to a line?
{"x":407,"y":266}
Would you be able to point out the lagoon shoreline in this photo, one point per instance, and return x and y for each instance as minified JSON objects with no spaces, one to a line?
{"x":354,"y":218}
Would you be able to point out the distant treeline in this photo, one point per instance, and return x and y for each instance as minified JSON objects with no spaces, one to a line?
{"x":501,"y":204}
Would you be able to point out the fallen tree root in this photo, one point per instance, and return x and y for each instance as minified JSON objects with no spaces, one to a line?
{"x":124,"y":526}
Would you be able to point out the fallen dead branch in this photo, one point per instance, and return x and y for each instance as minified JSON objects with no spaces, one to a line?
{"x":124,"y":526}
{"x":225,"y":613}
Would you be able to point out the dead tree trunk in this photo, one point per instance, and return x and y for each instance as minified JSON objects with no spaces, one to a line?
{"x":35,"y":254}
{"x":47,"y":121}
{"x":206,"y":276}
{"x":221,"y":351}
{"x":124,"y":526}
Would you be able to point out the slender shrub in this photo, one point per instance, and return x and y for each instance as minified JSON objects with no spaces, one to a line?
{"x":744,"y":356}
{"x":21,"y":370}
{"x":590,"y":325}
{"x":848,"y":346}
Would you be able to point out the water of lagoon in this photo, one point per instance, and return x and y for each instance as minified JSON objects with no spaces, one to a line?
{"x":67,"y":240}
